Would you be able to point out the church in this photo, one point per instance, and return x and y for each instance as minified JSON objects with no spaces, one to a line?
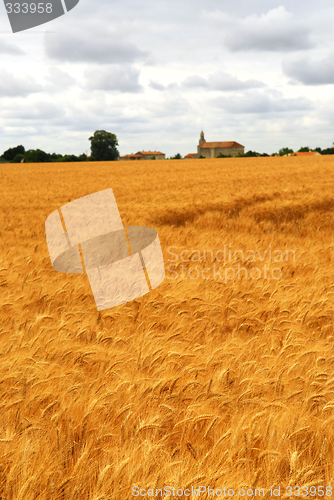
{"x":213,"y":149}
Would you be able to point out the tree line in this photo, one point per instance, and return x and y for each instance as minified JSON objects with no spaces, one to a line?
{"x":327,"y":151}
{"x":103,"y":148}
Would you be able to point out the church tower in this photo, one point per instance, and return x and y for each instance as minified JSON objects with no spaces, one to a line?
{"x":201,"y":140}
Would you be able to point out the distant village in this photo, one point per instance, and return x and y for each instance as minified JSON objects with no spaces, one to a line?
{"x":209,"y":150}
{"x":204,"y":150}
{"x":104,"y":148}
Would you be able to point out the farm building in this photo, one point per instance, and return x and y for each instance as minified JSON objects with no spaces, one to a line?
{"x":190,"y":156}
{"x":213,"y":149}
{"x":130,"y":157}
{"x":144,"y":155}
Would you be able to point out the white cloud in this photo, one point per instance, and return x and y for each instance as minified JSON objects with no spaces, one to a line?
{"x":274,"y":31}
{"x":221,"y":81}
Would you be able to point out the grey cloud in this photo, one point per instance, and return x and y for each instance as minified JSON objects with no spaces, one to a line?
{"x":195,"y":82}
{"x":216,"y":81}
{"x":261,"y":102}
{"x":59,"y":79}
{"x":122,"y":79}
{"x":97,"y":46}
{"x":14,"y":86}
{"x":182,"y":44}
{"x":276,"y":30}
{"x":158,"y":86}
{"x":311,"y":72}
{"x":32,"y":111}
{"x":168,"y":108}
{"x":221,"y":81}
{"x":9,"y":48}
{"x":80,"y":124}
{"x":224,"y":81}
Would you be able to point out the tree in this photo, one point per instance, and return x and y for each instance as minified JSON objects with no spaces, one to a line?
{"x":285,"y":151}
{"x":176,"y":157}
{"x":18,"y":158}
{"x":306,"y":149}
{"x":70,"y":158}
{"x":103,"y":146}
{"x":328,"y":151}
{"x":36,"y":156}
{"x":12,"y":152}
{"x":252,"y":153}
{"x":55,"y":157}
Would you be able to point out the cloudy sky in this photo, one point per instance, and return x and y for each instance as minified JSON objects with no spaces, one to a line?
{"x":156,"y":73}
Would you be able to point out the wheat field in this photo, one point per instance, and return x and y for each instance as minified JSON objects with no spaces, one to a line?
{"x":213,"y":378}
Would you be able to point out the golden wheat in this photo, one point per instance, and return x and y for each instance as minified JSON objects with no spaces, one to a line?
{"x":203,"y":381}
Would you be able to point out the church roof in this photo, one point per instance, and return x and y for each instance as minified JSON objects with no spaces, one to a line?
{"x":214,"y":145}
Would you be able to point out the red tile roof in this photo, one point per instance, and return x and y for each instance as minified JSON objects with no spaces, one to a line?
{"x":153,"y":153}
{"x":213,"y":145}
{"x":191,"y":155}
{"x":131,"y":156}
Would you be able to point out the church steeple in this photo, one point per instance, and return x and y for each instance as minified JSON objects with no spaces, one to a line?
{"x":201,"y":141}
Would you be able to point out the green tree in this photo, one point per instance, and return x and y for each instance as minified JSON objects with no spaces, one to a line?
{"x":252,"y":153}
{"x":176,"y":157}
{"x":285,"y":151}
{"x":103,"y":146}
{"x":18,"y":158}
{"x":70,"y":158}
{"x":306,"y":149}
{"x":36,"y":156}
{"x":12,"y":152}
{"x":55,"y":157}
{"x":328,"y":151}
